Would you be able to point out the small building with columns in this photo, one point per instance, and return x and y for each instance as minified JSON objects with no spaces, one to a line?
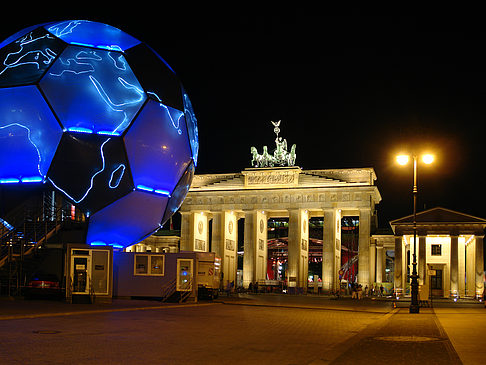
{"x":257,"y":194}
{"x":450,"y":254}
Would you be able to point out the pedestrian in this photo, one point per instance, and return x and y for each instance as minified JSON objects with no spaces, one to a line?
{"x":250,"y":287}
{"x":366,"y":291}
{"x":381,"y":290}
{"x":353,"y":291}
{"x":228,"y":288}
{"x":360,"y":292}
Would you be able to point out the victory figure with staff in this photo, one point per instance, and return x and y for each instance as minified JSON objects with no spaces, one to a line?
{"x":280,"y":157}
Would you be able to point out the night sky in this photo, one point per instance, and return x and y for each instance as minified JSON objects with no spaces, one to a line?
{"x":351,"y":91}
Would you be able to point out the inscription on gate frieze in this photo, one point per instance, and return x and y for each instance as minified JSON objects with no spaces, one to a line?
{"x":270,"y":178}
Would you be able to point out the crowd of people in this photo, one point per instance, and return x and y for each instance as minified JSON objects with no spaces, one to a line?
{"x":357,"y":291}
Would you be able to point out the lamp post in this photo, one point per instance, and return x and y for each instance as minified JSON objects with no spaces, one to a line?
{"x":403,"y":160}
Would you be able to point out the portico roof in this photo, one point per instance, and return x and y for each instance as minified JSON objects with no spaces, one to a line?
{"x":439,"y":216}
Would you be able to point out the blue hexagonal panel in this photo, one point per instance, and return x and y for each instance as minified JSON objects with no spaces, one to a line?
{"x":127,"y":221}
{"x":92,"y":34}
{"x":100,"y":93}
{"x":158,"y":148}
{"x":26,"y":59}
{"x":29,"y":135}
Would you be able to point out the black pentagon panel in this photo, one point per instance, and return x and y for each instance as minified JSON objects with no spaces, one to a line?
{"x":179,"y":193}
{"x":91,"y":170}
{"x":25,"y":60}
{"x":157,"y":78}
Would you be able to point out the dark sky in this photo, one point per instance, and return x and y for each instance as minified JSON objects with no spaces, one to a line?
{"x":350,"y":89}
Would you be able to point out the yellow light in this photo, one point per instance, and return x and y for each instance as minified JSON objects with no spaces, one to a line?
{"x":402,"y":159}
{"x":428,"y":159}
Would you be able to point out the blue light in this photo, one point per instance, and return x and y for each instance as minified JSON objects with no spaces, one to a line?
{"x":108,"y":133}
{"x":9,"y":181}
{"x":162,"y":192}
{"x":33,"y":179}
{"x":98,"y":243}
{"x":145,"y":188}
{"x":152,"y":190}
{"x":80,"y":130}
{"x":6,"y":224}
{"x":116,"y":245}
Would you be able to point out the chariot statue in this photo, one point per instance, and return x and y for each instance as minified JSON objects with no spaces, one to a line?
{"x":280,"y":156}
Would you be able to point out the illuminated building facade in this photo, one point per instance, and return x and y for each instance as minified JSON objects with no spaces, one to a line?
{"x":450,"y":255}
{"x":217,"y":202}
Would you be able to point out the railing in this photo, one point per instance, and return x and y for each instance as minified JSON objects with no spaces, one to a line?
{"x":186,"y":290}
{"x":168,"y":290}
{"x":24,"y":229}
{"x":31,"y":224}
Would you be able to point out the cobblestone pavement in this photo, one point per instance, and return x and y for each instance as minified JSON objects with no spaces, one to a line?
{"x":245,"y":330}
{"x":174,"y":334}
{"x":466,"y":329}
{"x":403,"y":338}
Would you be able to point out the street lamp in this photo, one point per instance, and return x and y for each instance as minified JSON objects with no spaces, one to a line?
{"x":403,"y":160}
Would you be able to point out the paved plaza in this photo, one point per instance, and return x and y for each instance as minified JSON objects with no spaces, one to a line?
{"x":248,"y":329}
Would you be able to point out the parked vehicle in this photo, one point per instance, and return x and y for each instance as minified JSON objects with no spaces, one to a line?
{"x":45,"y":286}
{"x":208,"y":275}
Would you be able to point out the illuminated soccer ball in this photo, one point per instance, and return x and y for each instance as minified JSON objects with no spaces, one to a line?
{"x":101,"y":117}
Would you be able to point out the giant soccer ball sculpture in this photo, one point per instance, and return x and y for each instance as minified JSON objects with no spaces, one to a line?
{"x":101,"y":117}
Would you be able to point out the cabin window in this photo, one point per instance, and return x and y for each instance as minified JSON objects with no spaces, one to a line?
{"x":149,"y":265}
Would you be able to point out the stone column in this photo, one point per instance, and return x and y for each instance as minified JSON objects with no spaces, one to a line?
{"x":194,"y":232}
{"x":422,"y":258}
{"x":217,"y":234}
{"x":364,"y":247}
{"x":230,"y":246}
{"x":249,"y":248}
{"x":398,"y":265}
{"x":373,"y":262}
{"x":454,"y":260}
{"x":260,"y":242}
{"x":329,"y":236}
{"x":379,"y":263}
{"x":187,"y":235}
{"x":462,"y":268}
{"x":471,"y":268}
{"x":298,"y":243}
{"x":479,"y":267}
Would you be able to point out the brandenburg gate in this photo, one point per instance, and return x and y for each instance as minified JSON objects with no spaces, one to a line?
{"x":274,"y":188}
